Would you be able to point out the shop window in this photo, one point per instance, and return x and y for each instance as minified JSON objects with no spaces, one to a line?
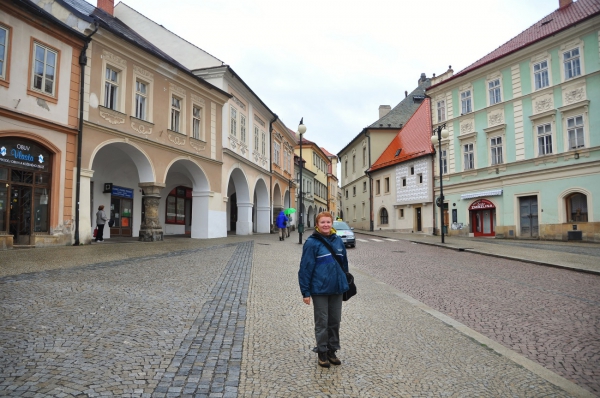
{"x":176,"y":203}
{"x":383,"y":216}
{"x":577,"y":210}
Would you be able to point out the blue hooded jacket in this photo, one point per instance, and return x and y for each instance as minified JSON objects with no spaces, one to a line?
{"x":281,"y":220}
{"x":320,"y":274}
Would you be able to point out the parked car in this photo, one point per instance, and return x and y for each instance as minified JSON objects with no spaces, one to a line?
{"x":345,"y":232}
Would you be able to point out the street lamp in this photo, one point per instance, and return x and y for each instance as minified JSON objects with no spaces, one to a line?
{"x":436,"y":138}
{"x":301,"y":131}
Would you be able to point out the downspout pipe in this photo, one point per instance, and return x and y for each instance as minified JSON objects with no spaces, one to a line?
{"x":433,"y":191}
{"x":82,"y":64}
{"x":271,"y":166}
{"x":370,"y":182}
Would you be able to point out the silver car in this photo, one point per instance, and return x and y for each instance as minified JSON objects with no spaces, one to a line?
{"x":345,"y":232}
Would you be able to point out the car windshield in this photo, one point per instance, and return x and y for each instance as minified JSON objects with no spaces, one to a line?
{"x":340,"y":225}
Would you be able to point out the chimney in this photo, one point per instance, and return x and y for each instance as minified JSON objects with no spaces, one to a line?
{"x":564,"y":3}
{"x":423,"y":77}
{"x":107,"y":5}
{"x":405,"y":94}
{"x":384,"y":110}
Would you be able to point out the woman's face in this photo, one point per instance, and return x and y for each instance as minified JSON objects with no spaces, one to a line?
{"x":324,"y":225}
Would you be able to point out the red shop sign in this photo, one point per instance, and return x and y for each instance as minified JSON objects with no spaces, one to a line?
{"x":482,"y":204}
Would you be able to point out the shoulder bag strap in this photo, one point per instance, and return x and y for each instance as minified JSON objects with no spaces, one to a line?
{"x":328,"y":246}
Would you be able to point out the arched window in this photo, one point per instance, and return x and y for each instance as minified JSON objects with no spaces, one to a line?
{"x":576,"y":205}
{"x":383,"y":216}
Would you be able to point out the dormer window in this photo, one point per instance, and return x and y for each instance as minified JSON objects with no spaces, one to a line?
{"x":398,"y":152}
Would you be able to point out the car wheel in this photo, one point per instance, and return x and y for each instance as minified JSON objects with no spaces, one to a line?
{"x":353,"y":245}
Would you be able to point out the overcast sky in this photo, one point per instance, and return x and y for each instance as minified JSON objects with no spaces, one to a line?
{"x":334,"y":62}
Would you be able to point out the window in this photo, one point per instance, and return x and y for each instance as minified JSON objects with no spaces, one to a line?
{"x":233,"y":122}
{"x":540,"y":75}
{"x":404,"y":181}
{"x":197,"y":122}
{"x":400,"y":213}
{"x":363,"y":210}
{"x":420,"y":176}
{"x":469,"y":159}
{"x":353,"y":163}
{"x":575,"y":132}
{"x":441,"y":111}
{"x":346,"y":168}
{"x":44,"y":69}
{"x":494,"y":91}
{"x":571,"y":63}
{"x":386,"y":185}
{"x":4,"y":36}
{"x":346,"y":194}
{"x":383,"y":216}
{"x":364,"y":157}
{"x":276,"y":152}
{"x":176,"y":204}
{"x":444,"y":156}
{"x":465,"y":100}
{"x":256,"y":139}
{"x":364,"y":186}
{"x":544,"y":137}
{"x":496,"y":148}
{"x":577,"y":207}
{"x":263,"y":143}
{"x":242,"y":128}
{"x":354,"y":190}
{"x":111,"y":87}
{"x":412,"y":170}
{"x":141,"y":96}
{"x":175,"y":114}
{"x":377,"y":187}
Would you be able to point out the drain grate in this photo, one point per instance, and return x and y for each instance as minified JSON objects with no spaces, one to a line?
{"x":398,"y":251}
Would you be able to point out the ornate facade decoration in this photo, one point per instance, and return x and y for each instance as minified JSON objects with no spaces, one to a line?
{"x":197,"y":99}
{"x":177,"y":89}
{"x":112,"y":118}
{"x":233,"y":142}
{"x":495,"y":118}
{"x":143,"y":72}
{"x":277,"y":135}
{"x":197,"y":146}
{"x":141,"y":128}
{"x":466,"y":127}
{"x":544,"y":104}
{"x":177,"y":139}
{"x":114,"y":59}
{"x":238,"y":102}
{"x":260,"y":121}
{"x":256,"y":156}
{"x":574,"y":95}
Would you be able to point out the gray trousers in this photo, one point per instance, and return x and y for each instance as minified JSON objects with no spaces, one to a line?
{"x":328,"y":315}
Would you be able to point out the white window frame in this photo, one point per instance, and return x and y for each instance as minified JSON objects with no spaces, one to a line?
{"x":444,"y":156}
{"x":547,"y":134}
{"x":263,"y":142}
{"x":466,"y":101}
{"x":496,"y":150}
{"x":121,"y":67}
{"x":5,"y":60}
{"x":571,"y":60}
{"x":197,"y":122}
{"x":176,"y":114}
{"x":574,"y":129}
{"x":242,"y":128}
{"x":34,"y":60}
{"x":256,"y":139}
{"x":233,"y":116}
{"x":543,"y":72}
{"x":568,"y":48}
{"x":468,"y":152}
{"x":276,"y":153}
{"x":441,"y":110}
{"x":494,"y":91}
{"x":141,"y":100}
{"x":147,"y":78}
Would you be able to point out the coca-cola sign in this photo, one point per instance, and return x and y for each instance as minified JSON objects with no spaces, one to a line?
{"x":482,"y":204}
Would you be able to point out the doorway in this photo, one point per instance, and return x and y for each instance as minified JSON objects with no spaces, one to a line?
{"x":233,"y":212}
{"x":20,"y":214}
{"x":120,"y":212}
{"x":418,"y":219}
{"x":483,"y":218}
{"x":528,"y":214}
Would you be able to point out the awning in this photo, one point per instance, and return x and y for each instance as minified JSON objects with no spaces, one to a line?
{"x":493,"y":192}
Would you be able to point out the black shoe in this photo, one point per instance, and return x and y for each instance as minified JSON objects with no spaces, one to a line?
{"x":323,"y":361}
{"x":332,"y":358}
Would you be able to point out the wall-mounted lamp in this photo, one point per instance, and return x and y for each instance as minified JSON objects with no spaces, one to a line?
{"x":576,"y":155}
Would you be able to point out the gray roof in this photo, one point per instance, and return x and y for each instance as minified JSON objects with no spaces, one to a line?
{"x":400,"y":114}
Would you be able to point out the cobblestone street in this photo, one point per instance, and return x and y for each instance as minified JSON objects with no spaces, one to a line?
{"x":224,"y":318}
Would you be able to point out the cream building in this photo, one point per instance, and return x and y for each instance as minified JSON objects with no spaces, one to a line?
{"x":317,"y":162}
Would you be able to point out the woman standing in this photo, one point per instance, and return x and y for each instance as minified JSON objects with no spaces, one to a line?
{"x":322,"y":278}
{"x":100,"y":221}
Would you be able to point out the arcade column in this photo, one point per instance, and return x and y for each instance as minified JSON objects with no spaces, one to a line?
{"x":151,"y":229}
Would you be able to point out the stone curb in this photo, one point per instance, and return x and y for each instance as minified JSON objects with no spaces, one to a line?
{"x":520,"y":360}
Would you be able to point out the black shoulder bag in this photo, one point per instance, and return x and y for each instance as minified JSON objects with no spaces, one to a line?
{"x":352,"y":287}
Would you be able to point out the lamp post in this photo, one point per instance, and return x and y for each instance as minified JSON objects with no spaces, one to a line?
{"x":301,"y":131}
{"x":436,"y":138}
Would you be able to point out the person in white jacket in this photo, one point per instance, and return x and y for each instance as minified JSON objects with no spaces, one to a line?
{"x":101,"y":219}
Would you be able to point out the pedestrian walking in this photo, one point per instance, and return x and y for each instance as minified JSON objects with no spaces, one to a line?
{"x":281,"y":223}
{"x":101,"y":219}
{"x":322,"y":279}
{"x":288,"y":226}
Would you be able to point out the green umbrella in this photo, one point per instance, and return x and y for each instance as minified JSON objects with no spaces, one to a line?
{"x":289,"y":211}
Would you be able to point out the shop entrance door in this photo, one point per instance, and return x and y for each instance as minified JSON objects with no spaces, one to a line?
{"x":529,"y":217}
{"x":121,"y":210}
{"x":20,"y":214}
{"x":418,"y":216}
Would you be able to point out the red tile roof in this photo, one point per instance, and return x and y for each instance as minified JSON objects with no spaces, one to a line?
{"x":414,"y":139}
{"x":326,"y":152}
{"x":559,"y":20}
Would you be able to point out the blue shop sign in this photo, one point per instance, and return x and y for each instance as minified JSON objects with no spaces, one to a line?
{"x":122,"y":192}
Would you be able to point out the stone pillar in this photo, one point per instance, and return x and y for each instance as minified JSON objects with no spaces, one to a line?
{"x":151,"y":229}
{"x":243,"y":225}
{"x":86,"y":225}
{"x":263,"y":220}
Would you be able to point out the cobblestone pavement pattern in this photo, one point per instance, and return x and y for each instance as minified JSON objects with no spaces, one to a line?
{"x":549,"y":315}
{"x":168,"y":319}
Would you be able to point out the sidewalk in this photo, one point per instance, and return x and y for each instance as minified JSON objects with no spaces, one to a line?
{"x":583,"y":257}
